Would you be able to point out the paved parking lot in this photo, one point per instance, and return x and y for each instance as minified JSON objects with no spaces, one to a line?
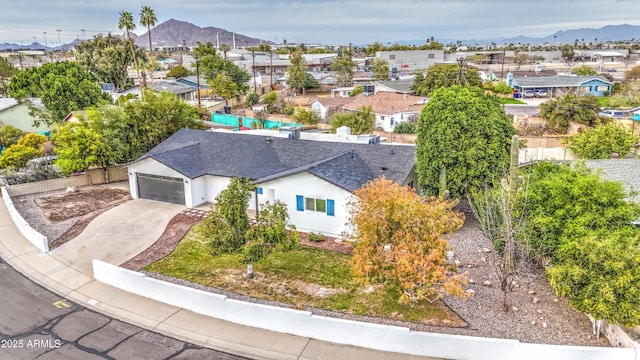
{"x":37,"y":324}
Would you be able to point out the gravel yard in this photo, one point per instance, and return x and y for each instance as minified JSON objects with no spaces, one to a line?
{"x":535,"y":314}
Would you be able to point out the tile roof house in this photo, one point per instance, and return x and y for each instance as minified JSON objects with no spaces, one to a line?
{"x":315,"y":179}
{"x":390,"y":108}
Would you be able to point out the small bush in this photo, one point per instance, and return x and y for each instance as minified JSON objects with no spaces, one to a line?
{"x":405,"y":128}
{"x":252,"y":99}
{"x":315,"y":237}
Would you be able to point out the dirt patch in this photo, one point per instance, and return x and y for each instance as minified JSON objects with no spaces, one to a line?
{"x":61,"y":207}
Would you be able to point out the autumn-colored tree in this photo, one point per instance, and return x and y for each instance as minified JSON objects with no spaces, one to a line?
{"x":400,"y":240}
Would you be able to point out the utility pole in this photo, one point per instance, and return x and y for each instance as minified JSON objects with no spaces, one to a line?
{"x":218,"y":41}
{"x":198,"y":81}
{"x":271,"y":70}
{"x":253,"y":66}
{"x":59,"y":41}
{"x":460,"y":80}
{"x":46,"y":46}
{"x":504,"y":51}
{"x":84,"y":36}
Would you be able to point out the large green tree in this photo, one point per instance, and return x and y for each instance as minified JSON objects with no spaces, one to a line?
{"x":297,"y":71}
{"x":560,"y":111}
{"x":601,"y":141}
{"x":443,"y":75}
{"x":343,"y":67}
{"x":62,"y":87}
{"x":466,"y":132}
{"x":212,"y":64}
{"x":564,"y":203}
{"x":148,"y":19}
{"x":7,"y":70}
{"x":223,"y":86}
{"x":582,"y":225}
{"x":80,"y":146}
{"x":107,"y":58}
{"x":380,"y":68}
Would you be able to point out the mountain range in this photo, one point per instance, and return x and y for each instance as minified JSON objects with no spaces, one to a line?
{"x":170,"y":33}
{"x":175,"y":32}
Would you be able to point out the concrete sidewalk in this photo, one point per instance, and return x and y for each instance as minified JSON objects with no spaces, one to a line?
{"x":66,"y":272}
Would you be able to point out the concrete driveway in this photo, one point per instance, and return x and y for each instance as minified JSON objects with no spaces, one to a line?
{"x":118,"y":234}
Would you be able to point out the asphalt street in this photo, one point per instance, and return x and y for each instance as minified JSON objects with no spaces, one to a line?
{"x":37,"y":324}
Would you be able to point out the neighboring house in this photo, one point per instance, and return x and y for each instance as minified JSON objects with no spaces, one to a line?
{"x":395,"y":86}
{"x":16,"y":114}
{"x":596,"y":85}
{"x":192,"y":81}
{"x":390,"y":108}
{"x":325,"y":107}
{"x":184,"y":92}
{"x":315,"y":179}
{"x":342,"y":92}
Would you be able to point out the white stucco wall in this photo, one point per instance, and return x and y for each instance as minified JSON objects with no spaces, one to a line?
{"x":196,"y":192}
{"x":310,"y":186}
{"x":319,"y":109}
{"x":214,"y":185}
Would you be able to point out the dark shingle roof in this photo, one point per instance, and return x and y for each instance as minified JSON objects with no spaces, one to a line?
{"x":195,"y":153}
{"x":627,"y":171}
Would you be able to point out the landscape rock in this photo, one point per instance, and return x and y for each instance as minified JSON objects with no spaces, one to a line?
{"x":545,"y":325}
{"x":535,"y":300}
{"x":531,"y":292}
{"x":471,"y":292}
{"x":486,"y":250}
{"x":71,"y":189}
{"x":514,"y":308}
{"x":486,"y":283}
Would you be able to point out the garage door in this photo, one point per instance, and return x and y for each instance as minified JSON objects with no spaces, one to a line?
{"x":161,"y":188}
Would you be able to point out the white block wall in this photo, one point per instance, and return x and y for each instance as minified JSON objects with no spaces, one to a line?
{"x":38,"y":240}
{"x":374,"y":336}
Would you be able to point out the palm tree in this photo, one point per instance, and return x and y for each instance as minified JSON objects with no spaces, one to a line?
{"x":148,"y":19}
{"x":126,"y":22}
{"x":225,"y":48}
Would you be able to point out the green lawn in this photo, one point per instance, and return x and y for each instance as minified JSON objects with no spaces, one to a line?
{"x":511,"y":101}
{"x":604,"y":101}
{"x":301,"y":277}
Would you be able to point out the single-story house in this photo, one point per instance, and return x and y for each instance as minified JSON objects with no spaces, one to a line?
{"x":390,"y":108}
{"x":315,"y":179}
{"x":626,"y":171}
{"x":324,"y":107}
{"x":16,"y":114}
{"x":597,"y":85}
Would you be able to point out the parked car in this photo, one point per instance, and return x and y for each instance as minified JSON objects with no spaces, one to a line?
{"x":542,"y":93}
{"x":613,"y":114}
{"x":528,"y":93}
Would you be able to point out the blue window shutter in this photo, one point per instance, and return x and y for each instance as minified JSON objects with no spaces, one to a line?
{"x":300,"y":202}
{"x":330,"y":207}
{"x":259,"y":191}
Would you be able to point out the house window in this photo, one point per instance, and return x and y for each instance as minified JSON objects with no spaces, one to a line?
{"x":602,"y":88}
{"x":431,"y":56}
{"x":326,"y":206}
{"x":392,"y":57}
{"x":318,"y":205}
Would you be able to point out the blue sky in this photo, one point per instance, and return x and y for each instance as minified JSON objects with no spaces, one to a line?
{"x":316,"y":21}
